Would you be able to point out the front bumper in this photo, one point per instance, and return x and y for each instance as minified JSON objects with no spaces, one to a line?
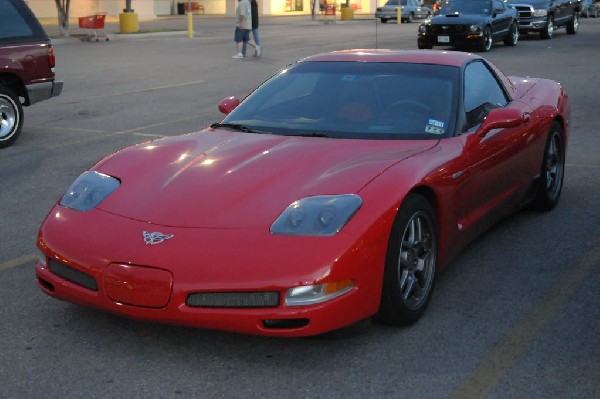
{"x":432,"y":40}
{"x":119,"y":273}
{"x":533,"y":25}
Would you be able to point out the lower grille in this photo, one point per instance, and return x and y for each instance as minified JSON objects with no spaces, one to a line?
{"x":233,"y":299}
{"x":73,"y":275}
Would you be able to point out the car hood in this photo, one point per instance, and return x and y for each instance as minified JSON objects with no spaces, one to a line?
{"x":459,"y":19}
{"x":223,"y":179}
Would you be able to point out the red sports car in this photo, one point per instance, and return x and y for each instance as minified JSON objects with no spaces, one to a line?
{"x":333,"y":193}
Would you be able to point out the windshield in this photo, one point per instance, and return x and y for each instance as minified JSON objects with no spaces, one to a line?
{"x":354,"y":100}
{"x":466,"y":7}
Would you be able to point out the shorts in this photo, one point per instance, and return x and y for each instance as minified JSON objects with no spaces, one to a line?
{"x":241,"y":35}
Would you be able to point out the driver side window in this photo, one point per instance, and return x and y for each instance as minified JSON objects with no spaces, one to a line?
{"x":482,"y":93}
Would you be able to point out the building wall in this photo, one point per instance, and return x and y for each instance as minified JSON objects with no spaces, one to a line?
{"x":147,"y":9}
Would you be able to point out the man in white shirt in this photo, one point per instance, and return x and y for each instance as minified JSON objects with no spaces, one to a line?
{"x":243,"y":27}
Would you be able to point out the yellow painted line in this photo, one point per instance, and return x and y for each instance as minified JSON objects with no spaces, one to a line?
{"x":502,"y":358}
{"x":20,"y":261}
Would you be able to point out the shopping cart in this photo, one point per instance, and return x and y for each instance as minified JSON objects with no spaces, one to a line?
{"x":94,"y":25}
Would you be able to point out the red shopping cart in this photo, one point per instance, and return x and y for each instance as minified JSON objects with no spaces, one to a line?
{"x":94,"y":25}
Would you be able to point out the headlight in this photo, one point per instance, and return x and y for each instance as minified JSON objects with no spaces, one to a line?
{"x":311,"y":294}
{"x":475,"y":28}
{"x":422,"y":28}
{"x":89,"y":190}
{"x":322,"y":215}
{"x":540,"y":13}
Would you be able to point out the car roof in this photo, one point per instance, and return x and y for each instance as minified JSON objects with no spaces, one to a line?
{"x":440,"y":57}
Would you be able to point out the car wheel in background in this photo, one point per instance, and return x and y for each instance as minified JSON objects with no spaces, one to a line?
{"x":384,"y":20}
{"x":11,"y":117}
{"x":486,"y":40}
{"x":573,"y":24}
{"x":410,"y":263}
{"x":549,"y":31}
{"x":553,"y":170}
{"x":512,"y":37}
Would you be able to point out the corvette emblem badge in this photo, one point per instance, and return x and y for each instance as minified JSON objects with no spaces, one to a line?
{"x":155,"y":238}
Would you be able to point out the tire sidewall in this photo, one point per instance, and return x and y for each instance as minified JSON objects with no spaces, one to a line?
{"x":9,"y":98}
{"x":393,"y":307}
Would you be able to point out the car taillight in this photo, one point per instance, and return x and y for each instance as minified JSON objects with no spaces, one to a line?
{"x":51,"y":58}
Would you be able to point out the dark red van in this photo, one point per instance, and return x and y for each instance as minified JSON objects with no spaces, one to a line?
{"x":26,"y":67}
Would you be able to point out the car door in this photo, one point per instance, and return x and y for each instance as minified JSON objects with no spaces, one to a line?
{"x":494,"y":177}
{"x":500,"y":18}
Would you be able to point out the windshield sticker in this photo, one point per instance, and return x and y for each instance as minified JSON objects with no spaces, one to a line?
{"x":435,"y":127}
{"x":348,"y":78}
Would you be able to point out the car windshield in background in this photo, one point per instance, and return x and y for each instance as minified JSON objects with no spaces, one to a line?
{"x":466,"y":7}
{"x":388,"y":101}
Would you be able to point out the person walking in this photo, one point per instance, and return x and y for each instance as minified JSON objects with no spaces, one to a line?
{"x":254,"y":9}
{"x":243,"y":13}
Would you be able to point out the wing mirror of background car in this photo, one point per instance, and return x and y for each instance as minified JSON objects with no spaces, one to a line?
{"x":499,"y":118}
{"x":228,"y":104}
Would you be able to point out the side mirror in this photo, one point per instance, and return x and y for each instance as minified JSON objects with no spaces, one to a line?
{"x":228,"y":104}
{"x":500,"y":118}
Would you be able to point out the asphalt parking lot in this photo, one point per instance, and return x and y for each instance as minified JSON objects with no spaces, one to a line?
{"x":517,"y":315}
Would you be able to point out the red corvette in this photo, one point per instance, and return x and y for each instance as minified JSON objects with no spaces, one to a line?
{"x":333,"y":193}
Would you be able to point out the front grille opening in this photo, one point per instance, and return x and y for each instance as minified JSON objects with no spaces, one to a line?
{"x":73,"y":275}
{"x":269,"y":299}
{"x":46,"y":285}
{"x":285,"y":323}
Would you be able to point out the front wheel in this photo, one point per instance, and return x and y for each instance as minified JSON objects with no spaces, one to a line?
{"x":11,"y":117}
{"x":549,"y":30}
{"x":553,"y":170}
{"x":512,"y":37}
{"x":486,"y":40}
{"x":573,"y":24}
{"x":384,"y":20}
{"x":411,"y":261}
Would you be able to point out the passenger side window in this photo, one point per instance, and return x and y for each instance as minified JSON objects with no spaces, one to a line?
{"x":498,"y":7}
{"x":482,"y":93}
{"x":12,"y":24}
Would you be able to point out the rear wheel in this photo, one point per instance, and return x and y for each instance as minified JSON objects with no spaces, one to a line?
{"x":410,"y":263}
{"x":553,"y":170}
{"x":573,"y":24}
{"x":411,"y":17}
{"x":11,"y":117}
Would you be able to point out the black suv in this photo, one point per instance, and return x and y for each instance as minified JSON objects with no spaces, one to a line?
{"x":26,"y":67}
{"x":544,"y":16}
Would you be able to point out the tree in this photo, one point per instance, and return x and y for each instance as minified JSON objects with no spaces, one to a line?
{"x":62,"y":6}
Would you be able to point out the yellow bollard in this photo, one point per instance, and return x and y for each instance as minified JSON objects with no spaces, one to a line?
{"x":128,"y":22}
{"x":399,"y":14}
{"x":190,"y":25}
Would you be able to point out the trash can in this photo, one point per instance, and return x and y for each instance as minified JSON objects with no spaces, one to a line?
{"x":180,"y":8}
{"x":347,"y":13}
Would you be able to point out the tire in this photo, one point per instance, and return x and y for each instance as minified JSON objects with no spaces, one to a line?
{"x":384,"y":20}
{"x":512,"y":37}
{"x":11,"y":117}
{"x":573,"y":24}
{"x":424,"y":46}
{"x":486,"y":40}
{"x":549,"y":31}
{"x":411,"y":262}
{"x":411,"y":17}
{"x":552,"y":172}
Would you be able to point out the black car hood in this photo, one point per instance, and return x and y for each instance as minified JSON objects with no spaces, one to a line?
{"x":458,"y":19}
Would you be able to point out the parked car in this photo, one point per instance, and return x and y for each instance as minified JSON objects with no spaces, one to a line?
{"x":26,"y":67}
{"x":336,"y":191}
{"x":477,"y":23}
{"x":409,"y":10}
{"x":589,"y":8}
{"x":545,"y":16}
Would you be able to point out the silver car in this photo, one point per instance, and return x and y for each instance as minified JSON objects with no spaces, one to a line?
{"x":409,"y":9}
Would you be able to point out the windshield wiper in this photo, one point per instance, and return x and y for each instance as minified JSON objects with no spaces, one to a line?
{"x":307,"y":134}
{"x":235,"y":126}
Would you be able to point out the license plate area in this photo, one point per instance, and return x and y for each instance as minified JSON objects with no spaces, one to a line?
{"x":443,"y":39}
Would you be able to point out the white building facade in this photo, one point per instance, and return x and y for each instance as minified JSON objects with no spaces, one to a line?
{"x":146,"y":9}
